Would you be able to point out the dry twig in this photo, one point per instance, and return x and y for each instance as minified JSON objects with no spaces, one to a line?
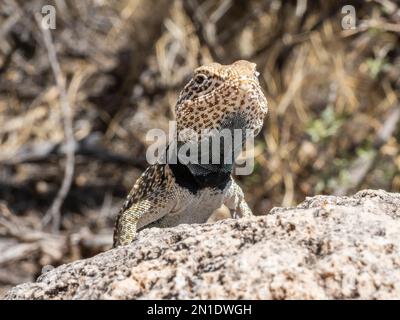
{"x":54,"y":213}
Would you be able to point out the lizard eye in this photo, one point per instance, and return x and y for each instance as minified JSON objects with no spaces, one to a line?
{"x":200,"y":78}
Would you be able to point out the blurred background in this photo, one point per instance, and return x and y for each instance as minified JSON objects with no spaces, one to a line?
{"x":332,"y":126}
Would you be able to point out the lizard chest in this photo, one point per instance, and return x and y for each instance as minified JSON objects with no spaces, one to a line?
{"x":195,"y":208}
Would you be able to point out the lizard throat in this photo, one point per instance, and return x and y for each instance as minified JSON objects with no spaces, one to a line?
{"x":195,"y":177}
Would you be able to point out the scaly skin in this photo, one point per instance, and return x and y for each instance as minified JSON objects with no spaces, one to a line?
{"x":217,"y":97}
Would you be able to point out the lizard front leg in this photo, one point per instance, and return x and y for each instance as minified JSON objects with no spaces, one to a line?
{"x":151,"y":198}
{"x":234,"y":200}
{"x":137,"y":217}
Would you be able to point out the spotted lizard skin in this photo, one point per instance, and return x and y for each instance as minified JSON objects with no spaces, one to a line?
{"x":217,"y":97}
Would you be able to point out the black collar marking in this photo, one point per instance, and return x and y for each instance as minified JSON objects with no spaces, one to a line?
{"x":212,"y":179}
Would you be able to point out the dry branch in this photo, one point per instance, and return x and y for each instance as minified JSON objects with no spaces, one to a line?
{"x":42,"y":151}
{"x":54,"y":213}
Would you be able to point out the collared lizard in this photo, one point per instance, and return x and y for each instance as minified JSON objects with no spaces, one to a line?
{"x":217,"y":97}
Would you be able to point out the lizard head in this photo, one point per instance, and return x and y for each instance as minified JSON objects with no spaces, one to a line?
{"x":222,"y":96}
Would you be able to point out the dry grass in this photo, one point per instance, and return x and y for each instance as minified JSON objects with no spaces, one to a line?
{"x":333,"y":97}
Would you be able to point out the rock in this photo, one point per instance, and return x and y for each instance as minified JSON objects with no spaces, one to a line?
{"x":326,"y":248}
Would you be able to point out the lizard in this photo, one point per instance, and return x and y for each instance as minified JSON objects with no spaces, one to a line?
{"x":167,"y":194}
